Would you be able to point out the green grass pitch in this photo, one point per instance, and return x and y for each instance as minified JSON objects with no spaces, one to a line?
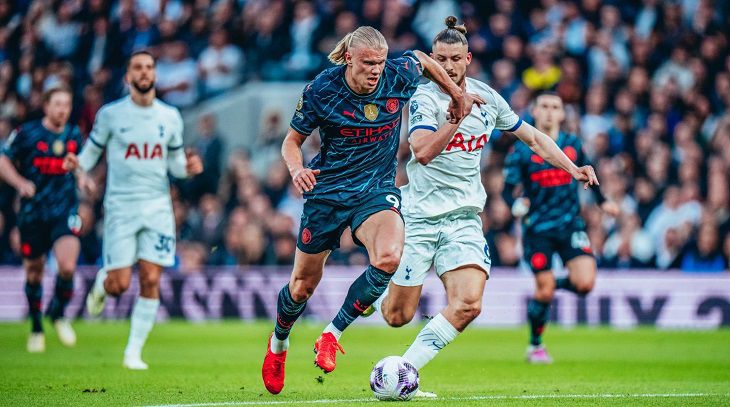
{"x":220,"y":363}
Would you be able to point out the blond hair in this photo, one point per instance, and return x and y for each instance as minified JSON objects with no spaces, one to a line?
{"x":365,"y":36}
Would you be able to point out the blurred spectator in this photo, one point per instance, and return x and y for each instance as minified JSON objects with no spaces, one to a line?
{"x":646,"y":85}
{"x":704,"y":254}
{"x":629,"y":246}
{"x":177,"y":75}
{"x":220,"y":64}
{"x":210,"y":147}
{"x":543,"y":74}
{"x":60,"y":33}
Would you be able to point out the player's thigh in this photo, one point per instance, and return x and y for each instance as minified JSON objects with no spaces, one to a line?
{"x":462,"y":244}
{"x":582,"y":272}
{"x":306,"y":274}
{"x":66,"y":244}
{"x":321,"y":227}
{"x":465,"y":286}
{"x":35,"y":240}
{"x":378,"y":225}
{"x":538,"y":251}
{"x":119,"y":246}
{"x":156,"y":241}
{"x":421,"y":237}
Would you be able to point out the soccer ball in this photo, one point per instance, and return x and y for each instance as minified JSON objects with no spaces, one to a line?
{"x":394,"y":378}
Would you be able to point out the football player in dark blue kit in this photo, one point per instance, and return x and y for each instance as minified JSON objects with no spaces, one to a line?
{"x":32,"y":164}
{"x":551,"y":220}
{"x":351,"y":182}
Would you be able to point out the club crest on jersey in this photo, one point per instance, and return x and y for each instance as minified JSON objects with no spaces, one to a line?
{"x":57,"y":147}
{"x":392,"y":105}
{"x":300,"y":103}
{"x":162,"y":130}
{"x":371,"y":111}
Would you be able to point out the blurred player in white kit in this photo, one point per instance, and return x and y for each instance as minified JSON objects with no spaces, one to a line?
{"x":143,"y":141}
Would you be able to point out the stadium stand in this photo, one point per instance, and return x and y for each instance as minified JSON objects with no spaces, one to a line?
{"x":648,"y":92}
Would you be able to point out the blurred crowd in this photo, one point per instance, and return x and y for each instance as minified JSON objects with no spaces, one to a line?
{"x":646,"y":85}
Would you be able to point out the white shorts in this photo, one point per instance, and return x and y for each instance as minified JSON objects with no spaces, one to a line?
{"x":448,"y":242}
{"x":141,"y":230}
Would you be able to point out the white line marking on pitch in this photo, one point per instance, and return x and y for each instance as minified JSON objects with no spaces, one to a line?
{"x":469,"y":398}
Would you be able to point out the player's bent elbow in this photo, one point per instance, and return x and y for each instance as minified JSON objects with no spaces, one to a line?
{"x":422,"y":157}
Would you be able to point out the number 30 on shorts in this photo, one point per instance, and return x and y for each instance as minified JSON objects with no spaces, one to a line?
{"x":393,"y":200}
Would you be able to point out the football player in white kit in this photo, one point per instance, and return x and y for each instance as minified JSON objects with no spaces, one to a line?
{"x":143,"y":141}
{"x":442,"y":201}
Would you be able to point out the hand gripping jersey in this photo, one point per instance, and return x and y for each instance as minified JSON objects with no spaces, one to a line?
{"x":359,"y":133}
{"x":452,"y":180}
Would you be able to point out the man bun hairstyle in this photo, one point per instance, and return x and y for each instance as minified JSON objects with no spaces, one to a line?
{"x":365,"y":36}
{"x":452,"y":34}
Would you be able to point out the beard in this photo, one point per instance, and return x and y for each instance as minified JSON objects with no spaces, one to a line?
{"x":143,"y":89}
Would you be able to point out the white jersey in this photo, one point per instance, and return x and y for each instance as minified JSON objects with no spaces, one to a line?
{"x":138,"y":140}
{"x":452,"y":180}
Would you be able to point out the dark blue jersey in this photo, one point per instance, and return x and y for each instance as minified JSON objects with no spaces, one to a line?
{"x":553,"y":193}
{"x":38,"y":156}
{"x":359,"y":133}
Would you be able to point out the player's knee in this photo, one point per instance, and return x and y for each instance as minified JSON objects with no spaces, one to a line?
{"x":66,"y":269}
{"x":34,"y":272}
{"x":545,"y":294}
{"x":388,"y":261}
{"x":584,"y":287}
{"x":398,"y":318}
{"x":301,"y":290}
{"x":115,"y":286}
{"x":467,"y":311}
{"x":149,"y":280}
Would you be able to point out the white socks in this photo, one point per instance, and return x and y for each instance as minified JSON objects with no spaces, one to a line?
{"x":98,"y":287}
{"x":278,"y":346}
{"x":334,"y":331}
{"x":379,"y":302}
{"x":144,"y":315}
{"x":437,"y":333}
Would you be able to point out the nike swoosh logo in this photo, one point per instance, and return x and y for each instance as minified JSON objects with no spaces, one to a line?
{"x":124,"y":129}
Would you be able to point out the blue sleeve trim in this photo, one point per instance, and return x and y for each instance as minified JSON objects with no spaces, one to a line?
{"x":175,"y":147}
{"x":95,"y":142}
{"x":421,"y":127}
{"x":304,"y":133}
{"x":516,"y":126}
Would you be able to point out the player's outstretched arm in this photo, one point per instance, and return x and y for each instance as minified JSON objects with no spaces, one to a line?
{"x":9,"y":174}
{"x":304,"y":179}
{"x":545,"y":147}
{"x":461,"y":102}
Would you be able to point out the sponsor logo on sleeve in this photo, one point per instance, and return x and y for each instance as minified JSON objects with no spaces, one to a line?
{"x":414,"y":106}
